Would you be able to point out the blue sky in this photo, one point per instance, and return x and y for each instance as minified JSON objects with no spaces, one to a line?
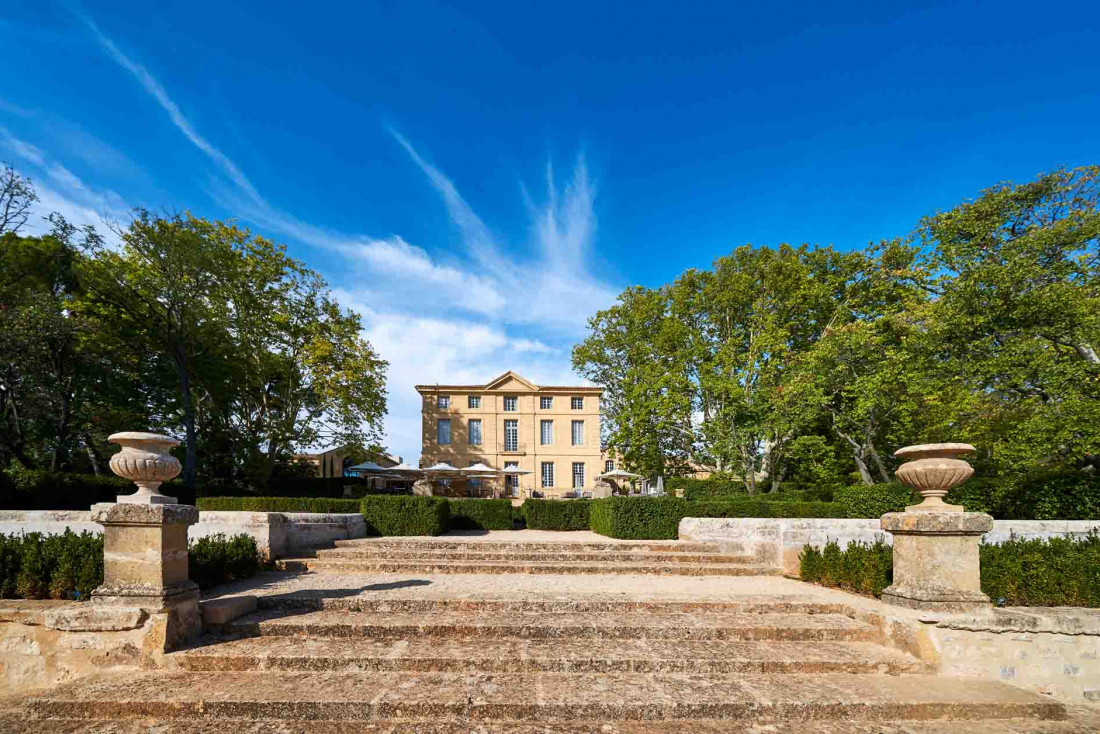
{"x":476,"y":179}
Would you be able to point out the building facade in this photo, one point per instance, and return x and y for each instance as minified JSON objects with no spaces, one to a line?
{"x":550,"y":431}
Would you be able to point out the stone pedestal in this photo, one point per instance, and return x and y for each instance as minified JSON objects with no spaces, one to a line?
{"x":936,"y":566}
{"x":145,"y":564}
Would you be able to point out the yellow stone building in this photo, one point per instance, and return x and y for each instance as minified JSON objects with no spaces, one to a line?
{"x":552,"y":432}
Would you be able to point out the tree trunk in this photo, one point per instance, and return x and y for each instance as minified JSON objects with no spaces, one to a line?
{"x":878,"y":462}
{"x":864,"y":474}
{"x":188,"y":419}
{"x":61,"y":430}
{"x":93,"y":453}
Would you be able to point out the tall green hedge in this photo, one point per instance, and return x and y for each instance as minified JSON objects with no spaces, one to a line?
{"x":557,"y":514}
{"x":481,"y":514}
{"x":860,"y":501}
{"x":216,"y":559}
{"x":278,"y":504}
{"x":751,"y":507}
{"x":1043,"y":573}
{"x":714,"y":488}
{"x":638,"y":518}
{"x":405,"y":515}
{"x":23,"y":489}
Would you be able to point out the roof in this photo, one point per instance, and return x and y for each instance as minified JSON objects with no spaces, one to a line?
{"x":504,"y":378}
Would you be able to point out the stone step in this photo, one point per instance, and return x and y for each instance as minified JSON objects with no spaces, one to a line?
{"x":561,"y":546}
{"x":320,"y":599}
{"x":434,"y":655}
{"x":22,"y":725}
{"x":534,"y":697}
{"x":368,"y":566}
{"x":472,"y":554}
{"x":625,"y":625}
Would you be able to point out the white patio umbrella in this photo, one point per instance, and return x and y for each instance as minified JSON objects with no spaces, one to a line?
{"x":368,"y":466}
{"x":403,"y":467}
{"x":618,"y":474}
{"x":482,"y":469}
{"x":514,"y":470}
{"x":442,"y":467}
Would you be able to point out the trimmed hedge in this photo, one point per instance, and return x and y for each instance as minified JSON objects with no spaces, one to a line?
{"x":865,"y":568}
{"x":405,"y":514}
{"x":215,"y":559}
{"x":638,"y":518}
{"x":37,"y":566}
{"x":1054,"y":572}
{"x":278,"y":504}
{"x":714,"y":488}
{"x":861,"y":501}
{"x":557,"y":514}
{"x":481,"y":514}
{"x":761,"y":508}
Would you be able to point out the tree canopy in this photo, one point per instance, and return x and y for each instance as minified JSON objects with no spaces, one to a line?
{"x":813,"y":364}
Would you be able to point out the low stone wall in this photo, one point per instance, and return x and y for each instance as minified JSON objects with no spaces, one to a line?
{"x":778,"y":541}
{"x":277,"y":534}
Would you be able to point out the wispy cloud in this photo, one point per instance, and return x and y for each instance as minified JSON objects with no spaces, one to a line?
{"x":160,"y":94}
{"x":464,"y":317}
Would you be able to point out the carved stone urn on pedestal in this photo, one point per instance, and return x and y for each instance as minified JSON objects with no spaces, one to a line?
{"x":145,"y":460}
{"x":936,"y":563}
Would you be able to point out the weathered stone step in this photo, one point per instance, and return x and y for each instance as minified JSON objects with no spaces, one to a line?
{"x":433,"y":655}
{"x":627,"y":625}
{"x":537,"y":697}
{"x":561,"y":546}
{"x":320,"y":599}
{"x":474,"y":554}
{"x":366,"y":566}
{"x":21,"y":725}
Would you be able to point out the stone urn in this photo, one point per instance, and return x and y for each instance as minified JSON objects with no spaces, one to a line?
{"x":145,"y":460}
{"x":933,"y":469}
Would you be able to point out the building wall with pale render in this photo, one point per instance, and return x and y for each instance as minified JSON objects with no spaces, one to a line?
{"x":530,"y":453}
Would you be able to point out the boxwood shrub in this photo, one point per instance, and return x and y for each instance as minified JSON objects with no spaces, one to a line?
{"x":481,"y":514}
{"x":865,"y":568}
{"x":750,"y":507}
{"x":278,"y":504}
{"x":706,"y":489}
{"x":861,"y":501}
{"x":37,"y":566}
{"x":1053,"y":572}
{"x":557,"y":514}
{"x":405,"y":514}
{"x":216,"y":559}
{"x":638,"y":518}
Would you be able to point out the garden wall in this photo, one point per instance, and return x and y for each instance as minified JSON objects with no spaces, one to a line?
{"x":778,"y":541}
{"x":277,"y":533}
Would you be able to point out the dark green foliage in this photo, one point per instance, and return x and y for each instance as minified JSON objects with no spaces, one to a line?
{"x":874,"y":501}
{"x":215,"y":559}
{"x":37,"y":566}
{"x":481,"y":514}
{"x":638,"y":518}
{"x":557,"y":514}
{"x":712,"y":488}
{"x":1043,"y":573}
{"x":405,"y":515}
{"x":278,"y":504}
{"x":21,"y":489}
{"x":1057,"y":494}
{"x":865,"y":568}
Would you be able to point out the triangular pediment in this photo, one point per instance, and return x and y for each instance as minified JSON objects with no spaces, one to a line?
{"x":511,"y":381}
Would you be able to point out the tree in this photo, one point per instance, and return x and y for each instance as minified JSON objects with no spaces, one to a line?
{"x":17,"y":196}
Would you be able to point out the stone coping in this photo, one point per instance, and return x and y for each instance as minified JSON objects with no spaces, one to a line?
{"x":139,"y":514}
{"x":937,"y":523}
{"x":1054,"y":620}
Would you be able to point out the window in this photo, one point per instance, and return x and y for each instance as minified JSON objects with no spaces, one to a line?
{"x":547,"y":474}
{"x":578,"y":474}
{"x":443,"y":432}
{"x":608,"y":466}
{"x":576,"y":403}
{"x":509,"y":403}
{"x":511,"y":435}
{"x":475,"y":432}
{"x":443,"y":402}
{"x":546,"y":432}
{"x":473,"y":401}
{"x":578,"y":433}
{"x":511,"y":481}
{"x":546,"y":403}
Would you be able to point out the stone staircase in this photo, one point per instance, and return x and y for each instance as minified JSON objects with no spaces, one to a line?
{"x":434,"y":556}
{"x":350,"y":661}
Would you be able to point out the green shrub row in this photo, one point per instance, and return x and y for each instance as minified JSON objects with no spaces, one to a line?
{"x":1043,"y":573}
{"x":865,"y":568}
{"x":23,"y":489}
{"x":557,"y":514}
{"x":638,"y":518}
{"x":278,"y":504}
{"x":37,"y":566}
{"x":70,"y":566}
{"x":481,"y":514}
{"x":406,"y":515}
{"x":751,"y":507}
{"x":875,"y":501}
{"x":215,"y":559}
